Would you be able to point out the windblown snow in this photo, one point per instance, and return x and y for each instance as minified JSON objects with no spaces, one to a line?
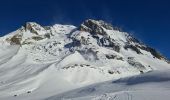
{"x":94,"y":61}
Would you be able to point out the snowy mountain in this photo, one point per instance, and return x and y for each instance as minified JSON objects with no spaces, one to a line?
{"x":40,"y":62}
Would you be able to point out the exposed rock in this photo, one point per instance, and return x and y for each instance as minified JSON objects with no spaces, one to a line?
{"x":97,"y":27}
{"x":131,"y":39}
{"x":105,"y":25}
{"x":92,"y":27}
{"x":110,"y":56}
{"x":136,"y":64}
{"x":89,"y":54}
{"x":110,"y":72}
{"x":108,"y":42}
{"x":141,"y":72}
{"x":113,"y":72}
{"x":16,"y":40}
{"x":132,"y":47}
{"x":113,"y":57}
{"x":153,"y":52}
{"x":84,"y":40}
{"x":37,"y":38}
{"x":47,"y":35}
{"x":28,"y":91}
{"x":15,"y":95}
{"x":33,"y":27}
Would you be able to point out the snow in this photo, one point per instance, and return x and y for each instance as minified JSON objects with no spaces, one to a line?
{"x":71,"y":64}
{"x":71,"y":59}
{"x":149,"y":86}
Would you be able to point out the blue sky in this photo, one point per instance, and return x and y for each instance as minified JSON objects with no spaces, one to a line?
{"x":148,"y":20}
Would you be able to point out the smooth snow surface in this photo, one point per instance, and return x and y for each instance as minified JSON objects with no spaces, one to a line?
{"x":149,"y":86}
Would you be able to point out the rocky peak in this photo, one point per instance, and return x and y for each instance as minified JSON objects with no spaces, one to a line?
{"x":34,"y":28}
{"x":29,"y":33}
{"x":98,"y":30}
{"x":92,"y":26}
{"x":96,"y":27}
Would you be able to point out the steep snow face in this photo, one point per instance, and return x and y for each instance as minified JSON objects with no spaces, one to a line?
{"x":46,"y":60}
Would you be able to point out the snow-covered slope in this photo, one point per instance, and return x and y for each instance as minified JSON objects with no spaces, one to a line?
{"x":149,"y":86}
{"x":37,"y":62}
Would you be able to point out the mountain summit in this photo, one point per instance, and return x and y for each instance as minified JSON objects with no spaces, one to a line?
{"x":54,"y":59}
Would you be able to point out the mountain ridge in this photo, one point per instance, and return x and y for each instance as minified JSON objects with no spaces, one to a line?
{"x":45,"y":59}
{"x":33,"y":27}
